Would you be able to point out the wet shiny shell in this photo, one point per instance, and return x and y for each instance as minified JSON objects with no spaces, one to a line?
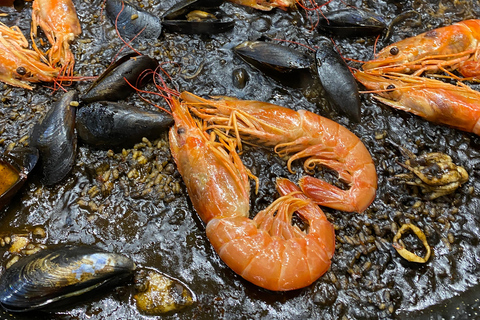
{"x":14,"y":169}
{"x":351,"y":22}
{"x":273,"y":56}
{"x":132,"y":21}
{"x":111,"y":84}
{"x":109,"y":124}
{"x":185,"y":6}
{"x":198,"y":27}
{"x":59,"y":275}
{"x":56,"y":140}
{"x":337,"y":80}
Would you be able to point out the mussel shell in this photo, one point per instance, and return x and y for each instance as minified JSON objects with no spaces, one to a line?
{"x":108,"y":124}
{"x":273,"y":56}
{"x":112,"y":84}
{"x":56,"y":276}
{"x":351,"y":22}
{"x":198,"y":27}
{"x":144,"y":25}
{"x":15,"y":164}
{"x":184,"y":6}
{"x":337,"y":80}
{"x":56,"y":140}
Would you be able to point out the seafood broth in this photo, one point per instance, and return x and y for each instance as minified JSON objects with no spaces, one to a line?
{"x":133,"y":201}
{"x":8,"y":176}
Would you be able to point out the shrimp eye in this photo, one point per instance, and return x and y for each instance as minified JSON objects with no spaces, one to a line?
{"x":394,"y":51}
{"x":21,"y":71}
{"x":180,"y":130}
{"x":390,"y":87}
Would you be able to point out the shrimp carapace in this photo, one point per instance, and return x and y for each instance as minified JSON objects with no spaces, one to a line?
{"x":268,"y":250}
{"x":454,"y":47}
{"x":297,"y":135}
{"x":58,"y":20}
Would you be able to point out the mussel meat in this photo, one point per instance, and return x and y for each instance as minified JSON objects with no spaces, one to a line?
{"x":337,"y":80}
{"x":158,"y":293}
{"x":53,"y":278}
{"x":14,"y":168}
{"x":351,"y":22}
{"x":108,"y":124}
{"x":131,"y":21}
{"x":185,"y":6}
{"x":116,"y":82}
{"x":56,"y":140}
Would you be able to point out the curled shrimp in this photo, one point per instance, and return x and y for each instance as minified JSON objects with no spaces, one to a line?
{"x":436,"y":101}
{"x":297,"y":135}
{"x":268,"y":250}
{"x":455,"y":47}
{"x":58,"y":20}
{"x":18,"y":64}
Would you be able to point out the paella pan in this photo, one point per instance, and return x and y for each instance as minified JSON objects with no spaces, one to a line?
{"x":132,"y":199}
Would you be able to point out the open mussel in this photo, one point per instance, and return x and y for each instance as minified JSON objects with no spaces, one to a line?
{"x":337,"y":80}
{"x":14,"y":168}
{"x":109,"y":124}
{"x":116,"y":82}
{"x":351,"y":22}
{"x":276,"y":60}
{"x":56,"y":140}
{"x":57,"y":276}
{"x":194,"y":17}
{"x":131,"y":21}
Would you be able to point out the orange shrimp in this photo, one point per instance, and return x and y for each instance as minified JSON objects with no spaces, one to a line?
{"x":19,"y":65}
{"x":266,"y":5}
{"x":434,"y":100}
{"x":268,"y":250}
{"x":58,"y":20}
{"x":455,"y":47}
{"x":299,"y":135}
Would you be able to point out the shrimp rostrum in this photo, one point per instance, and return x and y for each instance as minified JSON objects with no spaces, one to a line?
{"x":268,"y":250}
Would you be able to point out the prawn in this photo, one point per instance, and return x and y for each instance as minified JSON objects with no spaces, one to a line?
{"x":434,"y":100}
{"x":297,"y":135}
{"x":58,"y":20}
{"x":268,"y":250}
{"x":18,"y":64}
{"x":454,"y":47}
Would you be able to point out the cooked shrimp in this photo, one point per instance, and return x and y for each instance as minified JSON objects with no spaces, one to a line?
{"x":455,"y":47}
{"x":268,"y":251}
{"x":299,"y":135}
{"x":58,"y":20}
{"x":434,"y":100}
{"x":266,"y":5}
{"x":19,"y":65}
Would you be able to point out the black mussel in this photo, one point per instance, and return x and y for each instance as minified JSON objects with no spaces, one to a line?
{"x":116,"y":82}
{"x":195,"y":21}
{"x":337,"y":80}
{"x":131,"y":21}
{"x":280,"y":62}
{"x":108,"y":124}
{"x":351,"y":22}
{"x":273,"y":56}
{"x":198,"y":27}
{"x":55,"y":277}
{"x":183,"y":7}
{"x":14,"y":168}
{"x":56,"y":140}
